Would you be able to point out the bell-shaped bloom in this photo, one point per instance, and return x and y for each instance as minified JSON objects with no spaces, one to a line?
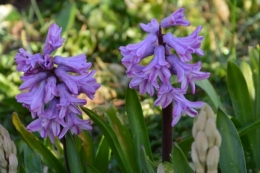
{"x":27,"y":63}
{"x":53,"y":39}
{"x":34,"y":98}
{"x":187,"y":73}
{"x":175,"y":19}
{"x":68,"y":102}
{"x":158,"y":67}
{"x":31,"y":80}
{"x":140,"y":50}
{"x":81,"y":83}
{"x":75,"y":125}
{"x":183,"y":106}
{"x":50,"y":89}
{"x":76,"y":64}
{"x":151,"y":27}
{"x":185,"y":46}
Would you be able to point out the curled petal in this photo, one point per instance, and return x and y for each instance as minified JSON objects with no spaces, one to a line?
{"x":53,"y":39}
{"x":175,"y":19}
{"x":151,"y":27}
{"x":76,"y":64}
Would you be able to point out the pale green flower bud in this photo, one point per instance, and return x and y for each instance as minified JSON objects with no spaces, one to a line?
{"x":211,"y":132}
{"x":212,"y":159}
{"x":201,"y":144}
{"x":8,"y":160}
{"x":194,"y":155}
{"x":205,"y":148}
{"x":13,"y":163}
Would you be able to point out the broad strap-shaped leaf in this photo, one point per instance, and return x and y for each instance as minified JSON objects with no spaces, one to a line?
{"x":147,"y":164}
{"x":248,"y":75}
{"x":179,"y":161}
{"x":86,"y":149}
{"x":185,"y":145}
{"x":111,"y":139}
{"x":37,"y":146}
{"x":68,"y":13}
{"x":256,"y":56}
{"x":137,"y":124}
{"x":74,"y":162}
{"x":124,"y":138}
{"x":102,"y":156}
{"x":232,"y":158}
{"x":32,"y":161}
{"x":239,"y":94}
{"x":211,"y":92}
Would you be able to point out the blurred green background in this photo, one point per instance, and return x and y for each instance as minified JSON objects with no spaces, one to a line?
{"x":98,"y":27}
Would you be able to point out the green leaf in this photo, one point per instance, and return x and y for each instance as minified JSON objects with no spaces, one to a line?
{"x":86,"y":150}
{"x":32,"y":161}
{"x":208,"y":88}
{"x":239,"y":94}
{"x":249,"y":128}
{"x":232,"y":158}
{"x":179,"y":161}
{"x":111,"y":139}
{"x":125,"y":139}
{"x":257,"y":109}
{"x":37,"y":146}
{"x":248,"y":75}
{"x":103,"y":156}
{"x":137,"y":124}
{"x":66,"y":17}
{"x":72,"y":155}
{"x":185,"y":145}
{"x":147,"y":164}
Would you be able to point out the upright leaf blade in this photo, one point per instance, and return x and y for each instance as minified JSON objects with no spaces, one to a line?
{"x":110,"y":137}
{"x":179,"y":161}
{"x":137,"y":123}
{"x":124,"y":138}
{"x":37,"y":146}
{"x":208,"y":88}
{"x":232,"y":158}
{"x":73,"y":156}
{"x":239,"y":94}
{"x":103,"y":156}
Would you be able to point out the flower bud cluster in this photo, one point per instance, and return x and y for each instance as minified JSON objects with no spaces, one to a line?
{"x":8,"y":159}
{"x":205,"y":148}
{"x":156,"y":76}
{"x":51,"y":87}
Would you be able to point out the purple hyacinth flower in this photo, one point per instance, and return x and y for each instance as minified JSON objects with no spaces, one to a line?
{"x":183,"y":106}
{"x":28,"y":63}
{"x":50,"y":89}
{"x":68,"y":102}
{"x":73,"y":64}
{"x":51,"y":86}
{"x":158,"y":66}
{"x":155,"y":78}
{"x":75,"y":125}
{"x":175,"y":19}
{"x":187,"y":73}
{"x":32,"y":80}
{"x":185,"y":46}
{"x":53,"y":39}
{"x":151,"y":27}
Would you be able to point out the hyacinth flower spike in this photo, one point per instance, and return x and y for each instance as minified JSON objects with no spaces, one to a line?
{"x":51,"y":85}
{"x":155,"y":78}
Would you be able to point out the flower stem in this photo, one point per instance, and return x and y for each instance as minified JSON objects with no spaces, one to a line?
{"x":63,"y":140}
{"x":166,"y":133}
